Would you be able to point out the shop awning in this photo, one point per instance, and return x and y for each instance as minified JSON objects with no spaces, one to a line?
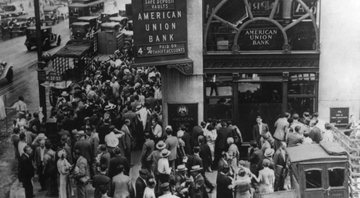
{"x":263,"y":63}
{"x":183,"y":65}
{"x":74,"y":49}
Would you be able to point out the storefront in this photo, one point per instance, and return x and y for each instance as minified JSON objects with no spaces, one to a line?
{"x":261,"y":57}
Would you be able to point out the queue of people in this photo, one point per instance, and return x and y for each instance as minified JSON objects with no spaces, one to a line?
{"x":115,"y":110}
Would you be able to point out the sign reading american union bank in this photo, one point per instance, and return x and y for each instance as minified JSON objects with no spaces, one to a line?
{"x":160,"y":28}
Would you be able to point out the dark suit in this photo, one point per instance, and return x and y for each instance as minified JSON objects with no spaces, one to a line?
{"x":194,"y":160}
{"x":101,"y":183}
{"x":197,"y":130}
{"x":147,"y":149}
{"x":255,"y":159}
{"x":222,"y":183}
{"x":140,"y":186}
{"x":205,"y":155}
{"x":26,"y":173}
{"x":257,"y":133}
{"x":40,"y":166}
{"x":280,"y":167}
{"x":187,"y":139}
{"x":85,"y":149}
{"x":115,"y":162}
{"x":221,"y":142}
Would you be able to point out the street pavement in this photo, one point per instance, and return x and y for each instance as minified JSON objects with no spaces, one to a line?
{"x":25,"y":83}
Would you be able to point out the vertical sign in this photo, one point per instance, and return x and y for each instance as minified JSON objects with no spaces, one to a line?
{"x":339,"y":116}
{"x":160,"y":29}
{"x":183,"y":114}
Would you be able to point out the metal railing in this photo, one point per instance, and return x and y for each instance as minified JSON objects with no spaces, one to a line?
{"x":352,"y":145}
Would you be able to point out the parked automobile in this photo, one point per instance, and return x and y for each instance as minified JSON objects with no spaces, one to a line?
{"x":47,"y":37}
{"x":6,"y":71}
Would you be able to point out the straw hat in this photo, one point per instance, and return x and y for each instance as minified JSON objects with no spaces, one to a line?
{"x":269,"y":152}
{"x":160,"y":145}
{"x":195,"y":168}
{"x":181,"y":167}
{"x":165,"y":153}
{"x":64,"y":94}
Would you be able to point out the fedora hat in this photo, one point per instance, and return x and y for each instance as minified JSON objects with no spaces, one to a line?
{"x":138,"y":107}
{"x":269,"y":152}
{"x":64,"y":93}
{"x":109,"y":107}
{"x":181,"y":167}
{"x":195,"y":168}
{"x":160,"y":145}
{"x":165,"y":153}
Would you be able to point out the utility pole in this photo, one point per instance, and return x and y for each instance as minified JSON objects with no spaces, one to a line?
{"x":41,"y":63}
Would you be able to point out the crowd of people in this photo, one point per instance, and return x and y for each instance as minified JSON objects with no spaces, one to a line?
{"x":115,"y":110}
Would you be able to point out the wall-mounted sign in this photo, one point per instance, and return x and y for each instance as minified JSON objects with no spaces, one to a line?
{"x":298,"y":10}
{"x":339,"y":116}
{"x":160,"y":29}
{"x":263,"y":7}
{"x":264,"y":37}
{"x":183,"y":114}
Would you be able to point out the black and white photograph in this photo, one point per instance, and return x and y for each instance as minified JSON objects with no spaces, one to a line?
{"x":179,"y":99}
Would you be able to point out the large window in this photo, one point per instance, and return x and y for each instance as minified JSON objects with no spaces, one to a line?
{"x":302,"y":92}
{"x":313,"y":178}
{"x":231,"y":25}
{"x":336,"y":177}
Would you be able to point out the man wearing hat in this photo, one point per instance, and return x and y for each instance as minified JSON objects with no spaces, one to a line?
{"x":182,"y":181}
{"x":268,"y":154}
{"x":140,"y":183}
{"x":163,"y":168}
{"x":197,"y":186}
{"x":154,"y":157}
{"x":165,"y":189}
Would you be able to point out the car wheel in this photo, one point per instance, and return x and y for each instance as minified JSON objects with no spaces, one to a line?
{"x":10,"y":75}
{"x":28,"y":47}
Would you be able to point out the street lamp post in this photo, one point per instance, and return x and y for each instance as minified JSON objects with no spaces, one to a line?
{"x":41,"y":63}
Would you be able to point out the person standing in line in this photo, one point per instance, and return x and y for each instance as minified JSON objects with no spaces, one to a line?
{"x":64,"y":168}
{"x":26,"y":171}
{"x":223,"y":183}
{"x":147,"y":149}
{"x":281,"y":126}
{"x":140,"y":183}
{"x":259,"y":129}
{"x":121,"y":186}
{"x":172,"y":143}
{"x":39,"y":162}
{"x":81,"y":174}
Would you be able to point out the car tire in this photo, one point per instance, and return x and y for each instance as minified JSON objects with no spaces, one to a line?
{"x":10,"y":75}
{"x":28,"y":47}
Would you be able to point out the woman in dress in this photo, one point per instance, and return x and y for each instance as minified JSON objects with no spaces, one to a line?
{"x":266,"y":178}
{"x":63,"y":167}
{"x":210,"y":135}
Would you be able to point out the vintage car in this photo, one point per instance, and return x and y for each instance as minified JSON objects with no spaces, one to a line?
{"x":316,"y":171}
{"x":51,"y":15}
{"x":20,"y":24}
{"x":6,"y":71}
{"x":47,"y":37}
